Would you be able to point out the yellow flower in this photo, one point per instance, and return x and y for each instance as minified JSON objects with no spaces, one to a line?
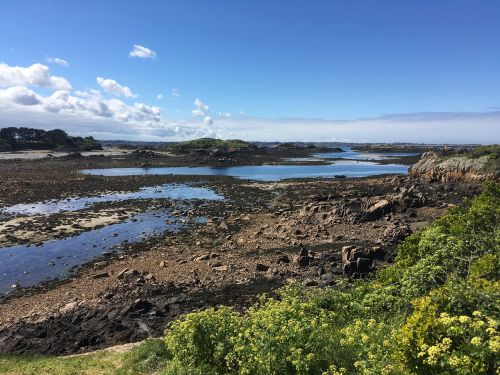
{"x":463,"y":319}
{"x":494,"y":344}
{"x":476,"y":341}
{"x":447,"y":341}
{"x":454,"y":361}
{"x":490,"y":331}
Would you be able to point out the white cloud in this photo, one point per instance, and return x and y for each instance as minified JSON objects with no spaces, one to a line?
{"x":57,"y":60}
{"x":84,"y":104}
{"x":197,"y":113}
{"x":175,"y":93}
{"x":159,"y":96}
{"x":34,"y":75}
{"x":200,"y":110}
{"x":224,"y":114}
{"x":87,"y":94}
{"x":90,"y":113}
{"x":142,"y":52}
{"x":113,"y":87}
{"x":20,"y":95}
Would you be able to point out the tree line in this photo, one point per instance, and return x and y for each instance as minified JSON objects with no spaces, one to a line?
{"x":23,"y":138}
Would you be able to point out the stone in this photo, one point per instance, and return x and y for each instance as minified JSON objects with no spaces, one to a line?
{"x":349,"y":267}
{"x":261,"y":267}
{"x":310,"y":282}
{"x":100,"y":275}
{"x":303,"y":252}
{"x":100,"y":265}
{"x":68,"y":307}
{"x":346,"y":252}
{"x":202,"y":257}
{"x":357,"y":253}
{"x":378,"y":209}
{"x":302,"y":261}
{"x":121,"y":273}
{"x":283,"y":259}
{"x":363,"y":265}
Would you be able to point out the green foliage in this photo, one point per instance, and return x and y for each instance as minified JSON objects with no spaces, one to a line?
{"x":493,"y":153}
{"x":487,"y":150}
{"x":204,"y":338}
{"x":434,"y":341}
{"x":210,"y":144}
{"x":29,"y":138}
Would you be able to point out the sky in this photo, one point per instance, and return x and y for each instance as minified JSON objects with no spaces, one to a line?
{"x":357,"y":71}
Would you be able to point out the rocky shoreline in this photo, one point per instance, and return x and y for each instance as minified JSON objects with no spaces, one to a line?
{"x":262,"y":236}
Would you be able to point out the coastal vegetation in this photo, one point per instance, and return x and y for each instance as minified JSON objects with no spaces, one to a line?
{"x":492,"y":152}
{"x":434,"y":310}
{"x":23,"y":138}
{"x":210,"y":145}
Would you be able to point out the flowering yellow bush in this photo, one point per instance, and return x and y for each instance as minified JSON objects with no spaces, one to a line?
{"x":460,"y":344}
{"x":435,"y":311}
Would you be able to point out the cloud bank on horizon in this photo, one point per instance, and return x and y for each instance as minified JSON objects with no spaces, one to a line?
{"x":33,"y":96}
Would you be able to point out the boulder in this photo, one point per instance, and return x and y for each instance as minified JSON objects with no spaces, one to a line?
{"x":378,"y":209}
{"x":261,"y":267}
{"x":363,"y":265}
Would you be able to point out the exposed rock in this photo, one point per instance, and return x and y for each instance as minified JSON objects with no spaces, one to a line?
{"x":202,"y":257}
{"x":283,"y":259}
{"x":100,"y":275}
{"x":261,"y":267}
{"x":302,"y":261}
{"x":432,"y":168}
{"x":310,"y":282}
{"x":378,"y":209}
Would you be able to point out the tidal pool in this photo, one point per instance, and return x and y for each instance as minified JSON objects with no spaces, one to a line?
{"x":348,"y":153}
{"x":348,"y":168}
{"x":167,"y":191}
{"x":354,"y":164}
{"x":30,"y":265}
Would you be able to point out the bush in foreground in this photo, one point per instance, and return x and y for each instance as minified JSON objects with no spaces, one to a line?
{"x":435,"y":310}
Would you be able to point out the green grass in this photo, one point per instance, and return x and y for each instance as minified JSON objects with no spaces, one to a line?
{"x":146,"y":358}
{"x":98,"y":363}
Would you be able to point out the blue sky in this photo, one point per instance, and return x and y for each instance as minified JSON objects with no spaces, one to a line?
{"x":284,"y":62}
